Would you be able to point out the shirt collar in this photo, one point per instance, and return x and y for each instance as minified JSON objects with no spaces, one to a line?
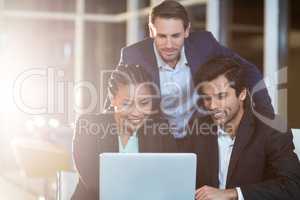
{"x":134,"y":135}
{"x":222,"y":133}
{"x":161,"y":62}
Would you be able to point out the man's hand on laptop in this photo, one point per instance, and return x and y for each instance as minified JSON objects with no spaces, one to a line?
{"x":211,"y":193}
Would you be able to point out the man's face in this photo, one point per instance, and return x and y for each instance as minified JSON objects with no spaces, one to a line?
{"x":168,"y":35}
{"x":221,"y":100}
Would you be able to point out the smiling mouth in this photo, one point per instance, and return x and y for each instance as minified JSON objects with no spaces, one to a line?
{"x":135,"y":121}
{"x":169,"y":53}
{"x":218,"y":115}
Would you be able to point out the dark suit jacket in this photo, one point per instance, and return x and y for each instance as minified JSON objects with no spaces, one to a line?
{"x":96,"y":134}
{"x":262,"y":162}
{"x":199,"y":48}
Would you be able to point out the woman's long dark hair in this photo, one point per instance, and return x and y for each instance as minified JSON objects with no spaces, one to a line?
{"x":128,"y":74}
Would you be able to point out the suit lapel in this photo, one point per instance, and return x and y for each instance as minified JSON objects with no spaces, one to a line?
{"x":145,"y":139}
{"x":113,"y":137}
{"x":206,"y":147}
{"x":115,"y":143}
{"x":150,"y":64}
{"x":244,"y":134}
{"x":141,"y":138}
{"x":190,"y":55}
{"x":150,"y":61}
{"x":214,"y":160}
{"x":108,"y":144}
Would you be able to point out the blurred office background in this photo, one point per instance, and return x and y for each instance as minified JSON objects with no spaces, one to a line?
{"x":47,"y":46}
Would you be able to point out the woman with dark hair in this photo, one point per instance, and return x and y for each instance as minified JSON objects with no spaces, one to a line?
{"x":130,"y":128}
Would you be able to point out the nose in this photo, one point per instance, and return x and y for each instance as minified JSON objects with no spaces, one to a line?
{"x":168,"y":43}
{"x":212,"y":105}
{"x":135,"y":111}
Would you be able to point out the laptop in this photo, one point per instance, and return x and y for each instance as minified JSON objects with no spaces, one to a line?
{"x":147,"y":176}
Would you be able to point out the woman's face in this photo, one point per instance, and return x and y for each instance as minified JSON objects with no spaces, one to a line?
{"x":132,"y":104}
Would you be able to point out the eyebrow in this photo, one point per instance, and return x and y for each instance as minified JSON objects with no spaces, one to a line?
{"x":174,"y":34}
{"x":204,"y":94}
{"x":161,"y":34}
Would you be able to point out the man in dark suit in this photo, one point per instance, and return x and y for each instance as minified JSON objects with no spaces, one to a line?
{"x":239,"y":156}
{"x":172,"y":56}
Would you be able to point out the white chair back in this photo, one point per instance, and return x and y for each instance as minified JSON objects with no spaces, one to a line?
{"x":296,"y":135}
{"x":67,"y":182}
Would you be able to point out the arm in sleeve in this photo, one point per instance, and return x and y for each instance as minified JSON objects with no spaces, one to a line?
{"x":282,"y":171}
{"x":85,"y":155}
{"x":254,"y":80}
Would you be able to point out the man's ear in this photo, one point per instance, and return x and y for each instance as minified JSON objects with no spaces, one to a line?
{"x":187,"y":30}
{"x":151,"y":31}
{"x":243,"y":94}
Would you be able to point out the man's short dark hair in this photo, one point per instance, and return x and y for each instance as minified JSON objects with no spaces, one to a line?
{"x":231,"y":68}
{"x":170,"y":9}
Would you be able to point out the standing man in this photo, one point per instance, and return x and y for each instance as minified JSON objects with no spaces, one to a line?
{"x":172,"y":55}
{"x":239,"y":156}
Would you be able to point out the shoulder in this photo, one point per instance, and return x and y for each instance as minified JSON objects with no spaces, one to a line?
{"x":269,"y":122}
{"x":93,"y":124}
{"x":136,"y":47}
{"x":96,"y":118}
{"x":200,"y":35}
{"x":201,"y":45}
{"x":135,"y":53}
{"x":274,"y":130}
